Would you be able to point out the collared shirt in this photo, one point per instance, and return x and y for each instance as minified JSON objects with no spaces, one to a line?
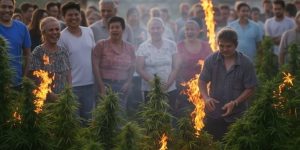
{"x":101,"y":32}
{"x":248,"y":37}
{"x":158,"y":61}
{"x":226,"y":86}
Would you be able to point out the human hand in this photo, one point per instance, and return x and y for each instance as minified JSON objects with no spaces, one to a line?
{"x":228,"y":108}
{"x":210,"y":104}
{"x":126,"y":87}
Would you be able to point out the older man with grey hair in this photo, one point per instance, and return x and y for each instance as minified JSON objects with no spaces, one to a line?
{"x":108,"y":9}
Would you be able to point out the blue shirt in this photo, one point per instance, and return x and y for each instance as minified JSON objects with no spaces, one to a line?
{"x":18,"y":38}
{"x":248,"y":36}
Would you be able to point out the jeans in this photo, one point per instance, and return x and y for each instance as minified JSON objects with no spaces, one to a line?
{"x":116,"y":86}
{"x":86,"y":96}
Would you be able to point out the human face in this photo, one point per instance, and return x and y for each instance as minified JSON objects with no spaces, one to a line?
{"x":28,"y":14}
{"x":53,"y":11}
{"x":156,"y":30}
{"x":267,"y":6}
{"x":191,"y":31}
{"x":115,"y":30}
{"x":107,"y":10}
{"x":255,"y":15}
{"x":133,"y":18}
{"x":225,"y":13}
{"x":278,"y":11}
{"x":51,"y":33}
{"x":243,"y":12}
{"x":72,"y":18}
{"x":185,"y":10}
{"x":227,"y":49}
{"x":6,"y":10}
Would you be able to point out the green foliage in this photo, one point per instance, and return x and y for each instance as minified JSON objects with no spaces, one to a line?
{"x":5,"y":83}
{"x":155,"y":116}
{"x":261,"y":127}
{"x":294,"y":61}
{"x":64,"y":121}
{"x":186,"y":139}
{"x":130,"y":137}
{"x":105,"y":122}
{"x":266,"y":62}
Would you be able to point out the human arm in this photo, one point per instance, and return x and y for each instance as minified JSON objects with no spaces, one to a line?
{"x":174,"y":71}
{"x":140,"y":66}
{"x":96,"y":69}
{"x":26,"y":55}
{"x":209,"y":102}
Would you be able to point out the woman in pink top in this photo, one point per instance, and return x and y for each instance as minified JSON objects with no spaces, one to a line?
{"x":113,"y":61}
{"x":190,"y":50}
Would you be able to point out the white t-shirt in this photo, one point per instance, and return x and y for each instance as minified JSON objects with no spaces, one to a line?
{"x":275,"y":28}
{"x":80,"y":51}
{"x":158,"y":61}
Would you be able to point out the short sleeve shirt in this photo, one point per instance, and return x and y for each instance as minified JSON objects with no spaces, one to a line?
{"x":58,"y":66}
{"x":157,"y":61}
{"x":226,"y":86}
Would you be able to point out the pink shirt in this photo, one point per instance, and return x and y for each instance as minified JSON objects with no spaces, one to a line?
{"x":189,"y":66}
{"x":114,"y":65}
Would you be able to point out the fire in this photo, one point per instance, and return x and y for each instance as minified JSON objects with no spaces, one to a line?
{"x":194,"y":96}
{"x":287,"y":82}
{"x":16,"y":115}
{"x":46,"y":60}
{"x":210,"y":23}
{"x":164,"y":142}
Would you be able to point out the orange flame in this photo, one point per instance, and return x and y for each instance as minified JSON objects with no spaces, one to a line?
{"x":43,"y":89}
{"x":164,"y":142}
{"x":210,"y":23}
{"x":287,"y":82}
{"x":16,"y":115}
{"x":46,"y":60}
{"x":194,"y":96}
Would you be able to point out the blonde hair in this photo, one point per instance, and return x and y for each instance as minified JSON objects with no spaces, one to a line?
{"x":155,"y":19}
{"x":44,"y":23}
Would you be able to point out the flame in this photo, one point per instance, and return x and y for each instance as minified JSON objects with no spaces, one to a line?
{"x":164,"y":142}
{"x":287,"y":82}
{"x":46,"y":60}
{"x":16,"y":115}
{"x":210,"y":23}
{"x":194,"y":96}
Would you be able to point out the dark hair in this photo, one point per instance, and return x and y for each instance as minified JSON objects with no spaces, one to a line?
{"x":17,"y":10}
{"x":131,"y":10}
{"x":13,"y":1}
{"x":291,"y":9}
{"x":255,"y":9}
{"x":83,"y":19}
{"x":279,"y":2}
{"x":228,"y":35}
{"x":240,"y":5}
{"x":224,"y":6}
{"x":68,"y":6}
{"x":25,"y":6}
{"x":52,"y":4}
{"x":116,"y":19}
{"x":37,"y":16}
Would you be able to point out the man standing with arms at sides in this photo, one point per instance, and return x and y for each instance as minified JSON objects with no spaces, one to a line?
{"x":79,"y":41}
{"x":17,"y":35}
{"x":232,"y":81}
{"x":108,"y":9}
{"x":248,"y":31}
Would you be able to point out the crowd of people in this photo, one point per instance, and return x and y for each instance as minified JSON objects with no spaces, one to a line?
{"x":95,"y":49}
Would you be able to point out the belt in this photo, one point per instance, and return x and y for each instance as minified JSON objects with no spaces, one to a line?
{"x":113,"y":81}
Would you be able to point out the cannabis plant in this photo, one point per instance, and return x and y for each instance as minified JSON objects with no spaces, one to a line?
{"x":155,"y":116}
{"x":64,"y":121}
{"x":130,"y":137}
{"x":105,"y":121}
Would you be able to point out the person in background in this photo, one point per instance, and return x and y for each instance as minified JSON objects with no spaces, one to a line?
{"x":79,"y":41}
{"x":34,"y":29}
{"x":289,"y":37}
{"x":17,"y":14}
{"x":53,"y":9}
{"x":267,"y":10}
{"x":184,"y":15}
{"x":297,"y":4}
{"x":108,"y":9}
{"x":158,"y":56}
{"x":224,"y":16}
{"x":226,"y":82}
{"x":59,"y":64}
{"x":233,"y":15}
{"x":255,"y":14}
{"x":139,"y":36}
{"x":275,"y":26}
{"x":190,"y":51}
{"x":290,"y":10}
{"x":114,"y":61}
{"x":17,"y":35}
{"x":249,"y":33}
{"x":165,"y":16}
{"x":83,"y":19}
{"x":93,"y":17}
{"x":27,"y":10}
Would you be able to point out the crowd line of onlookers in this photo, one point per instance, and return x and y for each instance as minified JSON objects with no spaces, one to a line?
{"x":94,"y":49}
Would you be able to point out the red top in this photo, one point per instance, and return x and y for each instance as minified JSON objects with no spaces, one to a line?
{"x":189,"y":65}
{"x":114,"y":64}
